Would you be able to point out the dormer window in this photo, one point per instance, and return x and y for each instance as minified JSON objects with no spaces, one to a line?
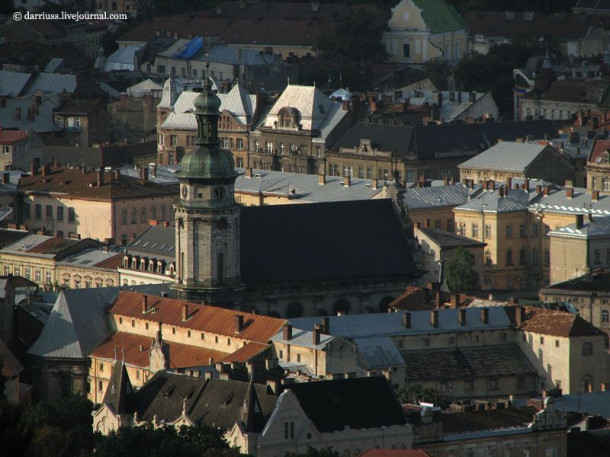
{"x":288,"y":118}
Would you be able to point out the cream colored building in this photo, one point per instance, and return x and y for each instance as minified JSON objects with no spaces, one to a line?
{"x":102,"y":205}
{"x":421,"y":31}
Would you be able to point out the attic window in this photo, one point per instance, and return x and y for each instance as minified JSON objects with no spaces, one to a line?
{"x":227,"y":400}
{"x":321,"y":108}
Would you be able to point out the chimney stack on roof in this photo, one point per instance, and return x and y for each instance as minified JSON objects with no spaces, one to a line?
{"x":316,"y":335}
{"x":6,"y":177}
{"x":185,"y":312}
{"x":117,"y":175}
{"x":144,"y":304}
{"x":580,"y":221}
{"x":519,"y":315}
{"x":346,"y":181}
{"x":145,"y":173}
{"x":546,"y":190}
{"x":100,"y":178}
{"x":434,"y":318}
{"x":154,"y":170}
{"x":462,"y":316}
{"x":287,"y":332}
{"x":374,"y":183}
{"x":321,"y":179}
{"x":406,"y":319}
{"x":239,"y":323}
{"x":569,"y":192}
{"x":595,"y":195}
{"x":249,"y":172}
{"x":326,"y":325}
{"x":485,"y":315}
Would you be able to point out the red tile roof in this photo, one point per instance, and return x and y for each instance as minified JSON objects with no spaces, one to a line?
{"x":11,"y":136}
{"x":111,"y":263}
{"x":135,"y":351}
{"x":247,"y":352}
{"x":52,"y":246}
{"x":598,"y":150}
{"x":557,"y":323}
{"x":73,"y":183}
{"x":203,"y":318}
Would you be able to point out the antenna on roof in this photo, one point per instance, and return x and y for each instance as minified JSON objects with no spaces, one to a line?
{"x":123,"y":355}
{"x":115,"y":352}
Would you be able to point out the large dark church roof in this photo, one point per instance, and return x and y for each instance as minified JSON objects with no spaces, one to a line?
{"x":322,"y":241}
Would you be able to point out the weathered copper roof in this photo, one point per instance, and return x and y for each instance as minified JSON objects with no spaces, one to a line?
{"x":204,"y":318}
{"x":134,"y":350}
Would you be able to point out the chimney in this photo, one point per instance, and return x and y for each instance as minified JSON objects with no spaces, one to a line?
{"x":374,"y":183}
{"x":519,"y":315}
{"x":145,"y":174}
{"x":144,"y":304}
{"x":6,"y":178}
{"x":545,"y":190}
{"x":580,"y":220}
{"x":84,"y":169}
{"x":485,"y":315}
{"x":239,"y":323}
{"x":434,"y":318}
{"x":455,"y":300}
{"x":316,"y":335}
{"x":406,"y":319}
{"x":326,"y":325}
{"x":321,"y":179}
{"x":249,"y":172}
{"x":569,"y":192}
{"x":211,"y":361}
{"x":33,"y":169}
{"x":117,"y":175}
{"x":185,"y":312}
{"x":446,"y":181}
{"x":526,"y":184}
{"x":509,"y":183}
{"x":100,"y":178}
{"x":491,"y":185}
{"x":462,"y":316}
{"x":287,"y":332}
{"x":346,"y":181}
{"x":452,"y":96}
{"x":538,"y":188}
{"x":595,"y":195}
{"x":472,"y":97}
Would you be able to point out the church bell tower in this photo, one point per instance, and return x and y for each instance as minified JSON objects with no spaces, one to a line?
{"x":207,"y":217}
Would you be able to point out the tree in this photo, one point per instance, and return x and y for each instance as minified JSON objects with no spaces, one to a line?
{"x":357,"y":37}
{"x":459,"y":271}
{"x":416,"y":394}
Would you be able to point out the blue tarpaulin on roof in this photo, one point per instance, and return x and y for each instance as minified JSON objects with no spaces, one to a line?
{"x":190,"y":50}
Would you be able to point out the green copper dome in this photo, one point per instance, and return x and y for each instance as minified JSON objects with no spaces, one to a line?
{"x":212,"y":164}
{"x":207,"y":102}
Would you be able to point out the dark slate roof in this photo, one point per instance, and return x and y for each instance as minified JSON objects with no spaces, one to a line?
{"x":120,"y":394}
{"x":476,"y":421}
{"x":357,"y":403}
{"x":446,"y":140}
{"x":448,"y":239}
{"x":598,"y":281}
{"x":395,"y":138}
{"x":321,"y":241}
{"x":155,"y":241}
{"x":467,"y":362}
{"x":214,"y":402}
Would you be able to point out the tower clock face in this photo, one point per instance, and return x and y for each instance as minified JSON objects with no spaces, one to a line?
{"x":185,"y":191}
{"x":219,"y":192}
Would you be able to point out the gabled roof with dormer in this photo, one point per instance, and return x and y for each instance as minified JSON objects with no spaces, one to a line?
{"x":312,"y":106}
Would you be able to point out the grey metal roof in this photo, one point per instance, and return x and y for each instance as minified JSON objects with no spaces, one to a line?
{"x":592,"y":403}
{"x":305,"y":188}
{"x":12,"y":82}
{"x":387,"y":324}
{"x":237,"y":56}
{"x":378,"y":352}
{"x":42,"y":121}
{"x":506,"y":156}
{"x":88,"y":258}
{"x":78,"y":324}
{"x":165,"y":174}
{"x":598,"y":227}
{"x":51,"y":84}
{"x":304,"y":338}
{"x":580,"y":203}
{"x":491,"y":201}
{"x":436,"y":196}
{"x":122,"y":59}
{"x":155,"y":241}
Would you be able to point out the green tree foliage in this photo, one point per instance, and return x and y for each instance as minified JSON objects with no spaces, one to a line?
{"x":357,"y":37}
{"x":416,"y":394}
{"x":459,"y":271}
{"x":494,"y":73}
{"x":146,"y":441}
{"x":313,"y":452}
{"x":546,"y":6}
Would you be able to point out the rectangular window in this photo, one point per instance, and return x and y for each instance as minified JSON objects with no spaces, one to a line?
{"x":509,"y":231}
{"x":47,"y":277}
{"x":522,"y":230}
{"x":535,"y":230}
{"x":369,"y":173}
{"x":60,"y":213}
{"x":143,"y":215}
{"x":37,"y":276}
{"x":289,"y":430}
{"x":474,"y":230}
{"x":153,"y":213}
{"x":49,"y":212}
{"x":71,"y":215}
{"x":37,"y":212}
{"x":26,"y":211}
{"x":487,"y":231}
{"x":240,"y":143}
{"x":134,"y":216}
{"x":406,"y":50}
{"x":597,"y":257}
{"x":124,"y":216}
